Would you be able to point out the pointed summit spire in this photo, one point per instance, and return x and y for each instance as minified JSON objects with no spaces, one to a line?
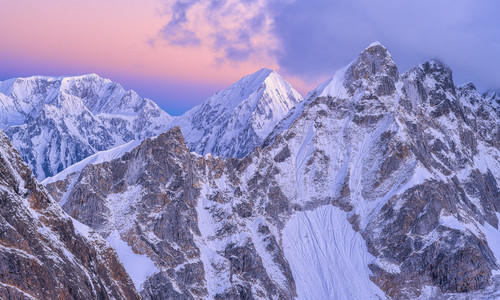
{"x":374,"y":69}
{"x":374,"y":66}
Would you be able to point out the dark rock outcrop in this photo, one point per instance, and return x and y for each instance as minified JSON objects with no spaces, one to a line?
{"x":42,"y":254}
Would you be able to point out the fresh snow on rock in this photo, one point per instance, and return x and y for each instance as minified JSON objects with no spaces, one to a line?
{"x":376,"y":178}
{"x":45,"y":253}
{"x":333,"y":87}
{"x":57,"y":121}
{"x":99,"y":157}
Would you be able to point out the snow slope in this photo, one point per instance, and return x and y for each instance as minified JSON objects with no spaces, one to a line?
{"x":99,"y":157}
{"x":138,"y":266}
{"x":329,"y":260}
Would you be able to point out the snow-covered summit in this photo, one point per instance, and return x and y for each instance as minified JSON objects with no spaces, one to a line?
{"x":396,"y":180}
{"x":374,"y":66}
{"x":373,"y":72}
{"x":57,"y":121}
{"x":25,"y":97}
{"x":373,"y":44}
{"x":374,"y":69}
{"x":233,"y":121}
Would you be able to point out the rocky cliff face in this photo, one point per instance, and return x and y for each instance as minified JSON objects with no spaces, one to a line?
{"x":493,"y":97}
{"x":377,"y":185}
{"x":162,"y":221}
{"x":44,"y":254}
{"x":57,"y":121}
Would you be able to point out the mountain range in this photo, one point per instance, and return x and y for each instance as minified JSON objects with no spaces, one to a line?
{"x":377,"y":185}
{"x":55,"y":122}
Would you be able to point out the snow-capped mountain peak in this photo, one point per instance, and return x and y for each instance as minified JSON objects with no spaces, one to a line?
{"x":374,"y":44}
{"x":233,"y":121}
{"x":371,"y":76}
{"x":395,"y":178}
{"x":374,"y":66}
{"x":57,"y":121}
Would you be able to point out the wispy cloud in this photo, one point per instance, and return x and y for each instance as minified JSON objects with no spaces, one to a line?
{"x":177,"y":30}
{"x":235,"y":30}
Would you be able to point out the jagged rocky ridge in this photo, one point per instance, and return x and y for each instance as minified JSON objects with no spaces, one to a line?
{"x":44,"y":254}
{"x":57,"y":121}
{"x":377,"y":185}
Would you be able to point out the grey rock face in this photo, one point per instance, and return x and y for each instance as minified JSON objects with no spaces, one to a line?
{"x":407,"y":160}
{"x":493,"y":97}
{"x":374,"y":67}
{"x":43,"y":255}
{"x":481,"y":114}
{"x":159,"y":287}
{"x":438,"y":261}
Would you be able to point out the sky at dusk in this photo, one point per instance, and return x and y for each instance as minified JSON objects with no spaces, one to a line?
{"x":179,"y":52}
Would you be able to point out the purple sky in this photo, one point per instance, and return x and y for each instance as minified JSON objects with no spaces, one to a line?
{"x":179,"y":52}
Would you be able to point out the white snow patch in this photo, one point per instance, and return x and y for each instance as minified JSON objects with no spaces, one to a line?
{"x":216,"y":267}
{"x":138,"y":266}
{"x":373,"y":44}
{"x":81,"y":228}
{"x":493,"y":238}
{"x":329,"y":260}
{"x":429,"y":292}
{"x":335,"y":86}
{"x":388,"y":266}
{"x":451,"y":222}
